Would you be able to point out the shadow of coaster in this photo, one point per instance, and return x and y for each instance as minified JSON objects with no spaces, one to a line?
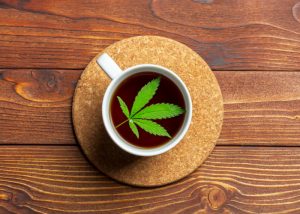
{"x":189,"y":153}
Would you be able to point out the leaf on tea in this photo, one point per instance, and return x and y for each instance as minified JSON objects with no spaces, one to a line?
{"x":144,"y":95}
{"x":152,"y":127}
{"x":142,"y":116}
{"x":123,"y":107}
{"x":133,"y":128}
{"x":159,"y":111}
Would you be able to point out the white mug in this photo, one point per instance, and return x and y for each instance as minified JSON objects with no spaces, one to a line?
{"x":117,"y":75}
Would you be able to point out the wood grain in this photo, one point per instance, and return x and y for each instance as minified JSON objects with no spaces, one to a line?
{"x":51,"y":179}
{"x":262,"y":105}
{"x":261,"y":108}
{"x":35,"y":105}
{"x":251,"y":35}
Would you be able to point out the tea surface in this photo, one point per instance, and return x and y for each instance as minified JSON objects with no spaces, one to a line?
{"x":167,"y":92}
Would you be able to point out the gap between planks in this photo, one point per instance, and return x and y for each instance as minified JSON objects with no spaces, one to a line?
{"x":77,"y":145}
{"x":79,"y":69}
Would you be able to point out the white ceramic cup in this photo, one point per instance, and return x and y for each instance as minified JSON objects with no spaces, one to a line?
{"x":117,"y":76}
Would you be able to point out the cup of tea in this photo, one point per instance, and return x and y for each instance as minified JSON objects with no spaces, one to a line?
{"x":146,"y":109}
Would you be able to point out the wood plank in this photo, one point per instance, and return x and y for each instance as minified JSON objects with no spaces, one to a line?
{"x":252,"y":35}
{"x":261,"y":108}
{"x":51,"y":179}
{"x":35,"y":105}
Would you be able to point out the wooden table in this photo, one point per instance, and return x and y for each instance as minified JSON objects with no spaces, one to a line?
{"x":253,"y":46}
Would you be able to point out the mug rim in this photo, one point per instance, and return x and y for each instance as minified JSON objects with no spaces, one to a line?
{"x":121,"y":142}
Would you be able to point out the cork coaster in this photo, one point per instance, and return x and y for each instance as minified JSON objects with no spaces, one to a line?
{"x":189,"y":153}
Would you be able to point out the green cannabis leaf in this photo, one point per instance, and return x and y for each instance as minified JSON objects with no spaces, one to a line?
{"x":144,"y":95}
{"x":142,"y":117}
{"x":152,"y":127}
{"x":123,"y":107}
{"x":159,"y":111}
{"x":134,"y":128}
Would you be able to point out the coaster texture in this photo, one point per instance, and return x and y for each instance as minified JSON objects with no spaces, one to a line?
{"x":197,"y":144}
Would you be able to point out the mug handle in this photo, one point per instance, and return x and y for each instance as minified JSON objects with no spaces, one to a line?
{"x":110,"y":67}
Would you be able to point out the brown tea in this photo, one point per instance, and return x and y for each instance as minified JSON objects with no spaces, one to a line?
{"x":167,"y":92}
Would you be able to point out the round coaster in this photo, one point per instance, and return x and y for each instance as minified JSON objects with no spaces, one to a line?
{"x":189,"y":153}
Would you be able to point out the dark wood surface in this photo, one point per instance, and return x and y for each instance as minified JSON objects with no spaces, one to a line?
{"x":252,"y":46}
{"x":230,"y":35}
{"x":57,"y":179}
